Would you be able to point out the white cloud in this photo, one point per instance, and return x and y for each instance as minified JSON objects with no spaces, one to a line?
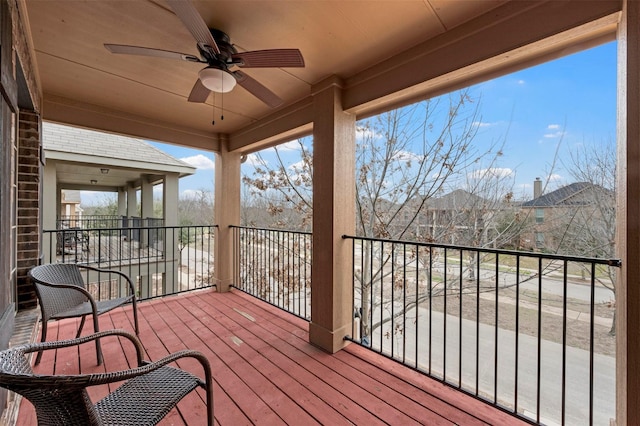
{"x":554,"y":132}
{"x":200,"y":161}
{"x":289,"y":146}
{"x":521,"y":82}
{"x":298,"y":165}
{"x":254,"y":160}
{"x":553,"y":135}
{"x":495,"y":172}
{"x":298,"y":170}
{"x":407,"y":156}
{"x":482,"y":124}
{"x":365,"y":133}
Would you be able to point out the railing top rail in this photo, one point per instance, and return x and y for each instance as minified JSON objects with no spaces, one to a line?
{"x":122,"y":228}
{"x":253,"y":228}
{"x":610,"y":262}
{"x":74,"y":216}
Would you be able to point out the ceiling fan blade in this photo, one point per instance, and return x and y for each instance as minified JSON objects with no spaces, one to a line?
{"x":195,"y":24}
{"x":272,"y":58}
{"x":147,"y":51}
{"x":257,"y":89}
{"x":199,"y":93}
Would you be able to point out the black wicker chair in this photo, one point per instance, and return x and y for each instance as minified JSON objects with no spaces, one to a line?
{"x":150,"y":391}
{"x":62,"y":293}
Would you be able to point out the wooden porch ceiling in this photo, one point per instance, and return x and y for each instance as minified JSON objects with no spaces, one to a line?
{"x":383,"y":53}
{"x":266,"y":372}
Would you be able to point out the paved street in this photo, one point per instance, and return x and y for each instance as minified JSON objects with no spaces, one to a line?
{"x":577,"y":371}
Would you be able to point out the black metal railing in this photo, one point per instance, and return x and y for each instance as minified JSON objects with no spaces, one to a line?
{"x":162,"y":260}
{"x":526,"y":332}
{"x":125,"y":226}
{"x":275,"y":266}
{"x":90,"y":221}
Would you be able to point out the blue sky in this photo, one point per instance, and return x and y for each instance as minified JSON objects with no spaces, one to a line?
{"x":566,"y":103}
{"x":570,"y":101}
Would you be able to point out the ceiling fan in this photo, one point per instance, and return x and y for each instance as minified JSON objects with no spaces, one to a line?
{"x":220,"y":55}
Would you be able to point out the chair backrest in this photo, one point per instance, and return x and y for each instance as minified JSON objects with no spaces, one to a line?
{"x":58,"y":400}
{"x":55,"y":300}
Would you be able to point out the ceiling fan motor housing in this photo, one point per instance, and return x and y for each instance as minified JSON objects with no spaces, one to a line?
{"x":224,"y":59}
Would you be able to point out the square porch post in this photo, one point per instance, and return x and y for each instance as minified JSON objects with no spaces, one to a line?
{"x":170,"y":200}
{"x":628,"y":221}
{"x":333,"y":216}
{"x":132,"y":201}
{"x":146,"y":199}
{"x":227,"y":213}
{"x":122,"y":202}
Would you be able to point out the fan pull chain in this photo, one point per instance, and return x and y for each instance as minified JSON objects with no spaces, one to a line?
{"x":222,"y":102}
{"x":213,"y":119}
{"x":213,"y":109}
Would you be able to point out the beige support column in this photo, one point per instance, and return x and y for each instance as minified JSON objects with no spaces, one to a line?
{"x":146,"y":198}
{"x":132,"y":201}
{"x":122,"y":201}
{"x":227,"y":213}
{"x":333,"y":216}
{"x":170,"y":199}
{"x":628,"y":221}
{"x":49,"y":198}
{"x":170,"y":211}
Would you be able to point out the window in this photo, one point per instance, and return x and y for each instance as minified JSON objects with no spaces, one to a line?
{"x":539,"y":215}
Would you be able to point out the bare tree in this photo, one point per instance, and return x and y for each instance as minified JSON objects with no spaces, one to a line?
{"x":590,"y":229}
{"x":196,"y":208}
{"x":272,"y":210}
{"x":279,"y":187}
{"x":406,"y":159}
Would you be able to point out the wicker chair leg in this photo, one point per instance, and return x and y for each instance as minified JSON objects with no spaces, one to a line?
{"x":210,"y":417}
{"x":81,"y":326}
{"x":42,"y":339}
{"x":135,"y":318}
{"x":96,"y":329}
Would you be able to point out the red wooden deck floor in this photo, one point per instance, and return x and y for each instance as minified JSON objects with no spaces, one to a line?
{"x":265,"y":371}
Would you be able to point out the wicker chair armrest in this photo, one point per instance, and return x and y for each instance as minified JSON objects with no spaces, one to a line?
{"x":111,"y":271}
{"x":84,"y":291}
{"x":147,"y":367}
{"x":43,"y":346}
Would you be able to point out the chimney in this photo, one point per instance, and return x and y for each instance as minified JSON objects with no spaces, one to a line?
{"x":537,"y":188}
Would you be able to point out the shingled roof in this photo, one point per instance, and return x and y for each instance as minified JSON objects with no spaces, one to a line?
{"x":562,"y":196}
{"x":60,"y":141}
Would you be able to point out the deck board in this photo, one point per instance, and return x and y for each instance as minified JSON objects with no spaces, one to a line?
{"x":265,"y":370}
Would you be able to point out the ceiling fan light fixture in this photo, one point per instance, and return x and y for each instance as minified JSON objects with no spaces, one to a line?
{"x":217,"y":80}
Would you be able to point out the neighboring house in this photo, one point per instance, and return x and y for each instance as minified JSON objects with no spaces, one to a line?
{"x":574,"y":206}
{"x":70,"y":207}
{"x":458,"y":217}
{"x":78,"y":159}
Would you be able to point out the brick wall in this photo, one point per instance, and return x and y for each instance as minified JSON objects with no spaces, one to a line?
{"x":29,"y":151}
